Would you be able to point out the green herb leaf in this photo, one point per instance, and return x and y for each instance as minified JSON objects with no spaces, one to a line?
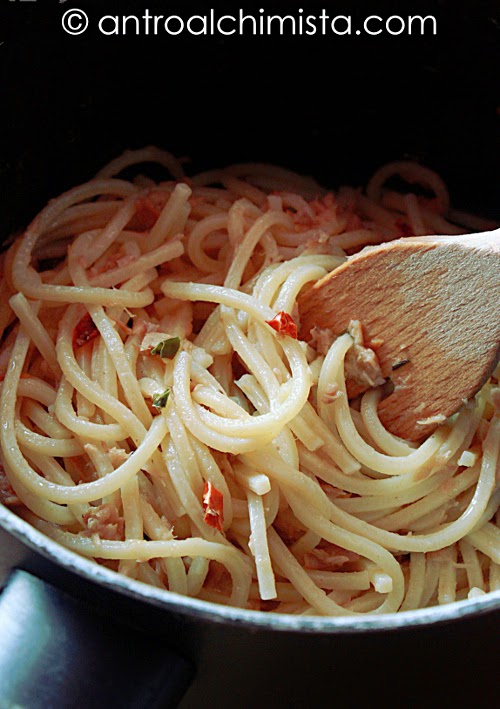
{"x":167,"y":348}
{"x":160,"y":400}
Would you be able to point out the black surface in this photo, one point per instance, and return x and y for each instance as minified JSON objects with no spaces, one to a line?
{"x":57,"y":652}
{"x":336,"y":107}
{"x":333,"y":107}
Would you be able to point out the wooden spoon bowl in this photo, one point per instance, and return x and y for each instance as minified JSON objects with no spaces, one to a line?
{"x":429,"y":306}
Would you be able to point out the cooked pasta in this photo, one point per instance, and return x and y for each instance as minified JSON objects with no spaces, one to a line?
{"x":163,"y":413}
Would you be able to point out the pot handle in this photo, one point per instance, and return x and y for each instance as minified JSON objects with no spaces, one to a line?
{"x":57,"y":652}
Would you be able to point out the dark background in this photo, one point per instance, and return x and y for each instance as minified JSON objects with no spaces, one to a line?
{"x":336,"y":107}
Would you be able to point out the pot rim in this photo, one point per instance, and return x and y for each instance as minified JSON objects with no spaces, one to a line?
{"x":252,"y":620}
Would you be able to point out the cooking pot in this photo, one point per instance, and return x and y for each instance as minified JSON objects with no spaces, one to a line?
{"x":73,"y":633}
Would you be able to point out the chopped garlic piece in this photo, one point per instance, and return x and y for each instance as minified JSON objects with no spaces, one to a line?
{"x":439,"y":418}
{"x":254,"y":481}
{"x":468,"y":458}
{"x":382,"y":583}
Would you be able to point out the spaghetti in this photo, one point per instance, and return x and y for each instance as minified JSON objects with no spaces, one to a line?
{"x":160,"y":413}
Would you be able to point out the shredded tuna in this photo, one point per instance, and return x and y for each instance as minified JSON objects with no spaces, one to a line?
{"x":321,"y":213}
{"x":318,"y":243}
{"x":152,"y":339}
{"x":330,"y":558}
{"x":8,"y":495}
{"x":115,"y":260}
{"x":85,"y":331}
{"x":81,"y":468}
{"x":325,"y":210}
{"x":361,"y":363}
{"x":105,"y":522}
{"x":142,"y":327}
{"x":117,"y":456}
{"x":121,"y":326}
{"x":90,"y":448}
{"x":353,"y":222}
{"x":321,"y":339}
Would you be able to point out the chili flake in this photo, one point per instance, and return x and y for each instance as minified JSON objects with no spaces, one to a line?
{"x":213,"y":506}
{"x":283,"y":324}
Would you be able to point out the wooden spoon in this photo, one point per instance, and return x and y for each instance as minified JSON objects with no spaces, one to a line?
{"x":429,"y":307}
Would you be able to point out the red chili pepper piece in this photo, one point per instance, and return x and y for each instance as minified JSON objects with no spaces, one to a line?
{"x":283,"y":324}
{"x":213,"y":506}
{"x":84,"y":332}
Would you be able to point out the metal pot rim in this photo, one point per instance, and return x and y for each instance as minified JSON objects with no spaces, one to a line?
{"x":252,"y":620}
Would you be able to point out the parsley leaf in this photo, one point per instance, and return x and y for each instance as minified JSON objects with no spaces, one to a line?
{"x":160,"y":400}
{"x":167,"y":348}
